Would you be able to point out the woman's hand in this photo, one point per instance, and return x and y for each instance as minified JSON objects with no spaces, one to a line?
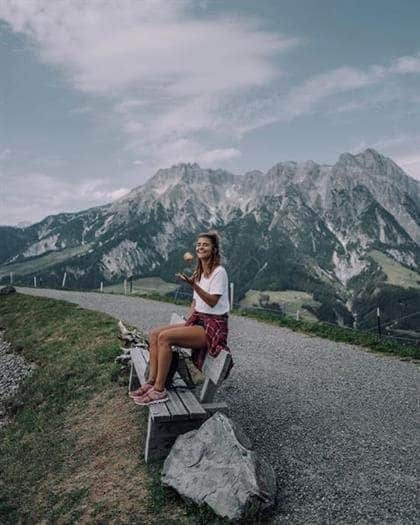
{"x":184,"y":277}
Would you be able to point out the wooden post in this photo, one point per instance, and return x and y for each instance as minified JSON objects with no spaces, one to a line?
{"x":102,"y":286}
{"x":378,"y":318}
{"x":231,"y":295}
{"x":63,"y":284}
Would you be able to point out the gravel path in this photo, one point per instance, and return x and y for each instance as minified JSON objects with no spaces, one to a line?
{"x":338,"y":423}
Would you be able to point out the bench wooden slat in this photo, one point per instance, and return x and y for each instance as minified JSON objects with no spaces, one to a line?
{"x":160,"y":412}
{"x":139,"y":363}
{"x":139,"y":358}
{"x":176,"y":407}
{"x":192,"y":404}
{"x":215,"y":368}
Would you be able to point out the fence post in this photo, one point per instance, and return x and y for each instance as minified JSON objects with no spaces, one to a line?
{"x":297,"y":315}
{"x":34,"y":281}
{"x":231,"y":295}
{"x":125,"y":286}
{"x":63,"y":284}
{"x":131,"y":284}
{"x":11,"y":277}
{"x":378,"y":318}
{"x":102,"y":286}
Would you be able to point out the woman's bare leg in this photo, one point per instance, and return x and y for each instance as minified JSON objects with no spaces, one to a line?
{"x":187,"y":336}
{"x":153,"y":349}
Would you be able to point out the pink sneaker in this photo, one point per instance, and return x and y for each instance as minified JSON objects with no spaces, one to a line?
{"x":141,"y":391}
{"x":152,"y":397}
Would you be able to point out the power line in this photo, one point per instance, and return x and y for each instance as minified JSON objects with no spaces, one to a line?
{"x":393,"y":321}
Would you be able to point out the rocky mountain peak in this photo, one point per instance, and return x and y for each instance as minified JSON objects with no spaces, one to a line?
{"x":370,"y":161}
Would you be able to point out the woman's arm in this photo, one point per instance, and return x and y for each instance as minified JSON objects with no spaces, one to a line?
{"x":191,"y":310}
{"x":210,"y":299}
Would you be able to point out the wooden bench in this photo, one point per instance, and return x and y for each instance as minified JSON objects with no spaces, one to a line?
{"x":183,"y":412}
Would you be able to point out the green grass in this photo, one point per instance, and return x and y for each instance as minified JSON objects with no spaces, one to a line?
{"x":74,"y":449}
{"x":396,"y":274}
{"x":73,"y":351}
{"x":44,"y":261}
{"x":335,"y":333}
{"x":293,"y":300}
{"x":145,"y":285}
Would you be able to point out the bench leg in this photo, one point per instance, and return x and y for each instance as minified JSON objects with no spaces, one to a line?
{"x":184,"y":372}
{"x":133,"y":382}
{"x":161,"y":436}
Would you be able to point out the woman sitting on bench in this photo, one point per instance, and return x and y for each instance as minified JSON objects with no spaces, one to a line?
{"x":205,"y":330}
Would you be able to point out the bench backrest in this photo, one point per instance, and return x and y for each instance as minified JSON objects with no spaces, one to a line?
{"x":214,"y":368}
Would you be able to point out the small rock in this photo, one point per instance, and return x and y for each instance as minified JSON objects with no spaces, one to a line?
{"x":7,"y":290}
{"x":215,"y":465}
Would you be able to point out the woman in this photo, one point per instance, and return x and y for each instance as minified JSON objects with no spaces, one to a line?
{"x":205,"y":329}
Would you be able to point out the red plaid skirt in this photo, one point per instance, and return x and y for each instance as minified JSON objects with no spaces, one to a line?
{"x":216,"y":327}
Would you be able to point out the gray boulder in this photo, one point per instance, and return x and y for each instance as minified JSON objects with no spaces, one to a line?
{"x":7,"y":290}
{"x":215,"y":465}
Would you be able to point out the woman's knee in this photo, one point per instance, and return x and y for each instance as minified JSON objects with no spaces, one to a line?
{"x":154,"y":334}
{"x":164,"y":337}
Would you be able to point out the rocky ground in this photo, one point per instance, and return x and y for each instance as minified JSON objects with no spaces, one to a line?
{"x":338,"y":423}
{"x":13,"y":370}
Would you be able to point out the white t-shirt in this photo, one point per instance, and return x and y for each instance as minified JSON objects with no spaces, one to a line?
{"x":216,"y":284}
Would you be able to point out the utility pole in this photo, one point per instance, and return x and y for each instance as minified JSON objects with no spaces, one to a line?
{"x":231,"y":295}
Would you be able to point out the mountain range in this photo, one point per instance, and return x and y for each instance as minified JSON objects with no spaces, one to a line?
{"x":347,"y":234}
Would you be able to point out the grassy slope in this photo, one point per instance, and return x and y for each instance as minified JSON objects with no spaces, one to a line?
{"x":293,"y":300}
{"x":336,"y":333}
{"x":397,"y":274}
{"x":144,"y":285}
{"x":73,"y":452}
{"x":44,"y":261}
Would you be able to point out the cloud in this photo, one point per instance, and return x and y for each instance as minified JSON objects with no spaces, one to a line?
{"x":166,"y":73}
{"x":310,"y":95}
{"x":5,"y":154}
{"x":406,"y":65}
{"x":33,"y":195}
{"x":216,"y":156}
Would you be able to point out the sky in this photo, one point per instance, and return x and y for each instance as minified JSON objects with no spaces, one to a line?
{"x":97,"y":95}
